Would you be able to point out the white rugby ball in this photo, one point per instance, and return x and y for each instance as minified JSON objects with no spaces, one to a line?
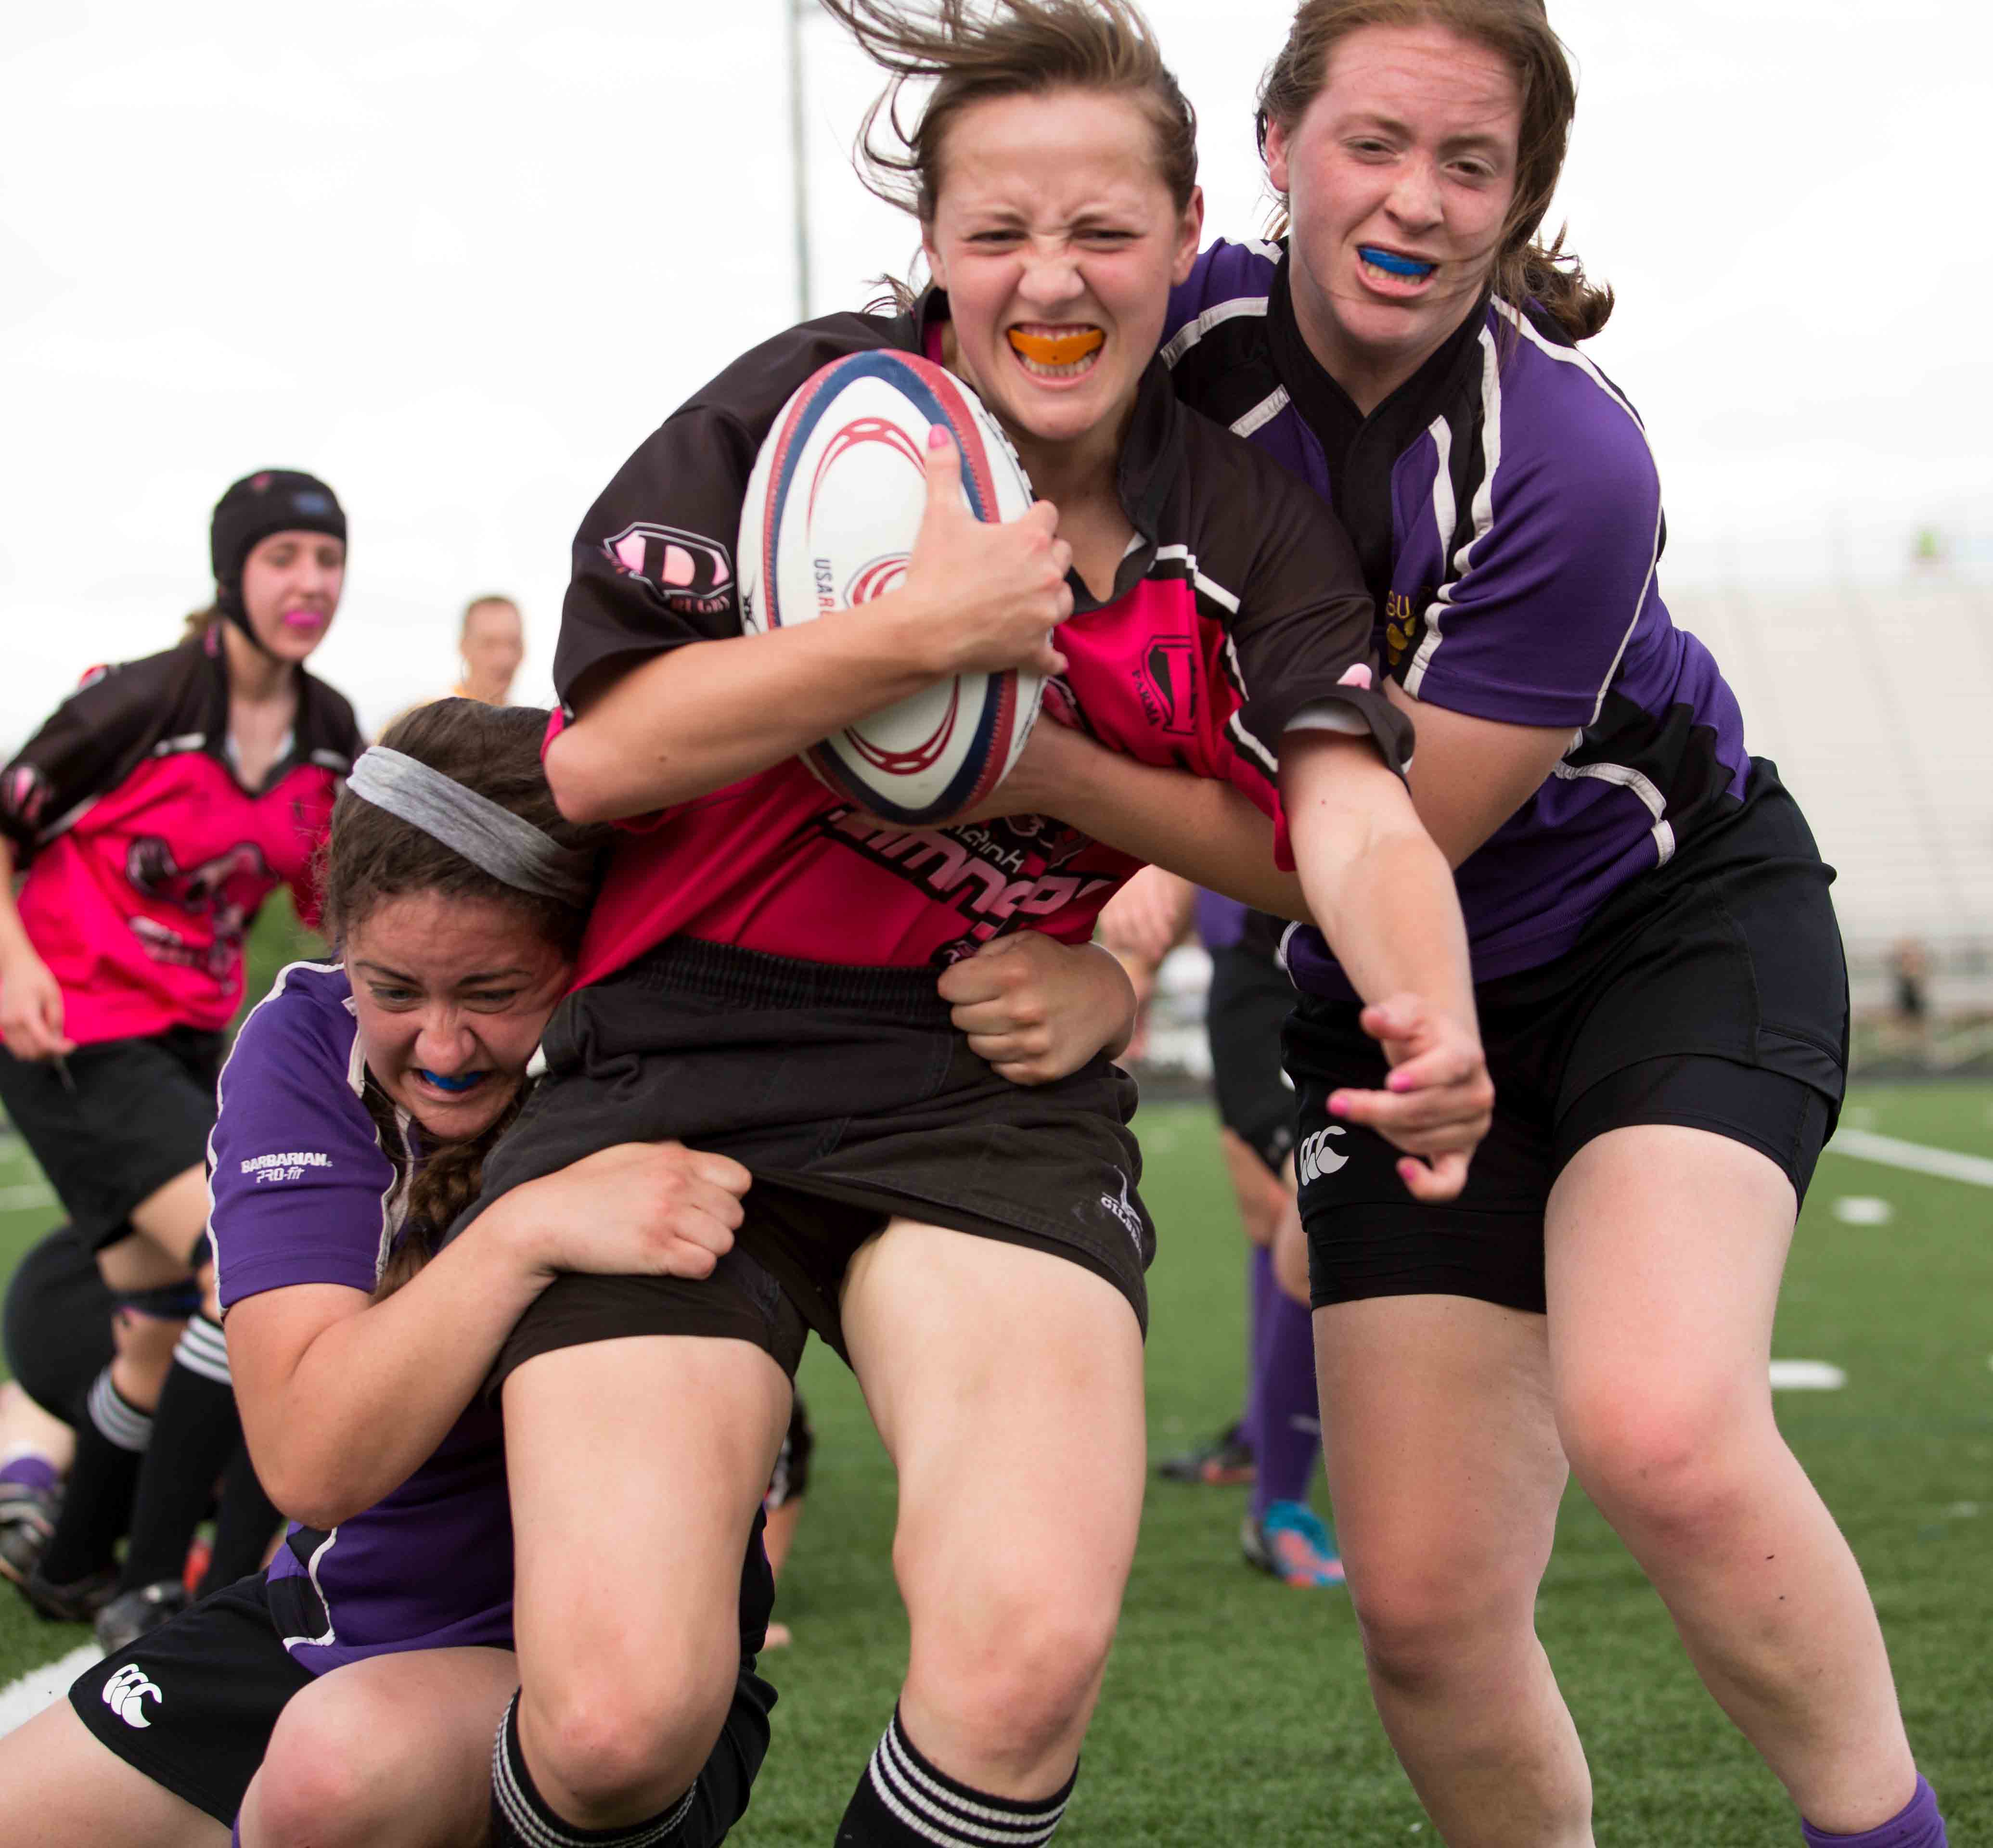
{"x":833,"y":506}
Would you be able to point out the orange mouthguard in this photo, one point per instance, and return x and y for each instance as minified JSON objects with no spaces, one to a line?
{"x":1058,"y":349}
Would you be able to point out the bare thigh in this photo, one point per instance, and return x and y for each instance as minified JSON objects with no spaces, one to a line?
{"x":1442,"y":1462}
{"x":65,"y":1790}
{"x":1007,"y":1384}
{"x":391,"y":1752}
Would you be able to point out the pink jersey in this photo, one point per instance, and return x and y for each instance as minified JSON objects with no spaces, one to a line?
{"x":1239,"y":607}
{"x":146,"y":857}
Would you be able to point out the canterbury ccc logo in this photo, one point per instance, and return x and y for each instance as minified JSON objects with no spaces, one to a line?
{"x":1316,"y":1158}
{"x":125,"y":1694}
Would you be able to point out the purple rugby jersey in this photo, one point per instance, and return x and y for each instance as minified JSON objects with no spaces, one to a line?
{"x":304,"y":1193}
{"x":1505,"y":510}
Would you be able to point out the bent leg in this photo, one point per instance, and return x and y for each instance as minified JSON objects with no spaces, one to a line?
{"x":172,"y":1219}
{"x":1445,"y":1473}
{"x":1665,"y":1248}
{"x":1007,"y":1384}
{"x":65,"y":1789}
{"x":637,"y":1466}
{"x":394,"y":1752}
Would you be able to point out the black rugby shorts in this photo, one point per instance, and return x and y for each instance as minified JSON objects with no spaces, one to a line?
{"x":850,"y":1097}
{"x":134,"y":1114}
{"x":1710,"y":993}
{"x":193,"y":1703}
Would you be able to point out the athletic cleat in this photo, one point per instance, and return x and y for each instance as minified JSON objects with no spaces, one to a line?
{"x":134,"y":1613}
{"x":1222,"y":1462}
{"x":1291,"y":1541}
{"x":27,"y":1524}
{"x":78,"y":1602}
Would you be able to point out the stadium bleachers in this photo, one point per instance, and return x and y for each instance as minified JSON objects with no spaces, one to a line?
{"x":1876,"y":702}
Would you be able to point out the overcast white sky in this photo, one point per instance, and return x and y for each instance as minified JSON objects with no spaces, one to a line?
{"x":458,"y":256}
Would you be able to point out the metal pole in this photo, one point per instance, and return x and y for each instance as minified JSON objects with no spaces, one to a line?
{"x":797,"y":155}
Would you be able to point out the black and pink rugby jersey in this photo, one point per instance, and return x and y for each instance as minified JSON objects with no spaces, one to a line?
{"x":1507,"y":513}
{"x":1238,"y":611}
{"x":146,"y":857}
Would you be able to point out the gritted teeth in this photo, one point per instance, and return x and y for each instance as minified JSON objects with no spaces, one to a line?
{"x":1392,"y":263}
{"x":1058,"y":350}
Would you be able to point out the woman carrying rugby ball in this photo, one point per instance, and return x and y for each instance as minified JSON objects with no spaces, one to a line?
{"x":759,"y":974}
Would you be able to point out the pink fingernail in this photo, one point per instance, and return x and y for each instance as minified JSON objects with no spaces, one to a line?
{"x":1398,"y":1081}
{"x":1339,"y":1106}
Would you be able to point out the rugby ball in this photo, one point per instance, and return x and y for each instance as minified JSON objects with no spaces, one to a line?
{"x":832,"y":509}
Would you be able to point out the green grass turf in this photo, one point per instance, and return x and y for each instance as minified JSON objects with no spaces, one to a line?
{"x":1235,"y":1709}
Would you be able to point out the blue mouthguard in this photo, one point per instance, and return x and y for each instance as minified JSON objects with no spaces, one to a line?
{"x":466,"y":1083}
{"x":1391,"y":261}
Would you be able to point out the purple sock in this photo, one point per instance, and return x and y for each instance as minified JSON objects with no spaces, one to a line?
{"x":31,"y":1471}
{"x":1261,"y":1289}
{"x":1917,"y":1824}
{"x":1287,"y":1426}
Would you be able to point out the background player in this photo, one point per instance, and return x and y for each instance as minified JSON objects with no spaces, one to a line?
{"x":492,"y":643}
{"x":1274,"y":1443}
{"x":153,"y":813}
{"x":1658,"y":968}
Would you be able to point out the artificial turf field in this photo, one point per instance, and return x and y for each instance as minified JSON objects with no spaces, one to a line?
{"x":1235,"y":1709}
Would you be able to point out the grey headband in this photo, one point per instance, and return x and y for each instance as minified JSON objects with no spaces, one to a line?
{"x":493,"y":839}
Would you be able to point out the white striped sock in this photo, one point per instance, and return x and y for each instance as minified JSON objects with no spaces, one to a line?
{"x":939,"y":1810}
{"x":114,"y":1415}
{"x":204,"y":1349}
{"x":528,"y":1817}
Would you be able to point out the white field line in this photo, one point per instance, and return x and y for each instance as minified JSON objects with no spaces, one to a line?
{"x":1948,"y":1164}
{"x":20,"y":1701}
{"x":29,"y":1194}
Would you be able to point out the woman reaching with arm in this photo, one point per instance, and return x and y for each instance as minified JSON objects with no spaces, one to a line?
{"x":1657,"y":969}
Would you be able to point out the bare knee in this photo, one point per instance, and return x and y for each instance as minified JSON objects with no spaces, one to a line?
{"x":328,"y":1779}
{"x":1018,"y":1672}
{"x":610,"y":1737}
{"x":1428,"y":1624}
{"x":1672,"y":1469}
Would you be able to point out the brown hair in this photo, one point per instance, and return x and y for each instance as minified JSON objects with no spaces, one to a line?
{"x":1518,"y":31}
{"x":974,"y":54}
{"x":371,"y":855}
{"x":199,"y":622}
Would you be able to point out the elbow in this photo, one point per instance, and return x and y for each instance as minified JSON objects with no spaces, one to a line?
{"x":579,"y":780}
{"x":312,"y":1495}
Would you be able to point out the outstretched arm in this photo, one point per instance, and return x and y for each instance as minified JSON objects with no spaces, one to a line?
{"x":1383,"y":895}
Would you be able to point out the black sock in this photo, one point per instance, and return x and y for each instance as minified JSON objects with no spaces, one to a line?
{"x":904,"y":1801}
{"x":194,"y":1432}
{"x":521,"y":1818}
{"x":244,"y":1524}
{"x":109,"y":1444}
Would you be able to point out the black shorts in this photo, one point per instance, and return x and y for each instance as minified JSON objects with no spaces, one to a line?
{"x":851,"y":1097}
{"x":1250,"y":999}
{"x":1711,"y":992}
{"x":58,"y":1325}
{"x":193,"y":1703}
{"x":140,"y":1114}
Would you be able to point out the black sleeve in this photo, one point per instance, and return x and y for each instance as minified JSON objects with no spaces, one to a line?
{"x":90,"y":743}
{"x":1302,"y":643}
{"x":654,"y":565}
